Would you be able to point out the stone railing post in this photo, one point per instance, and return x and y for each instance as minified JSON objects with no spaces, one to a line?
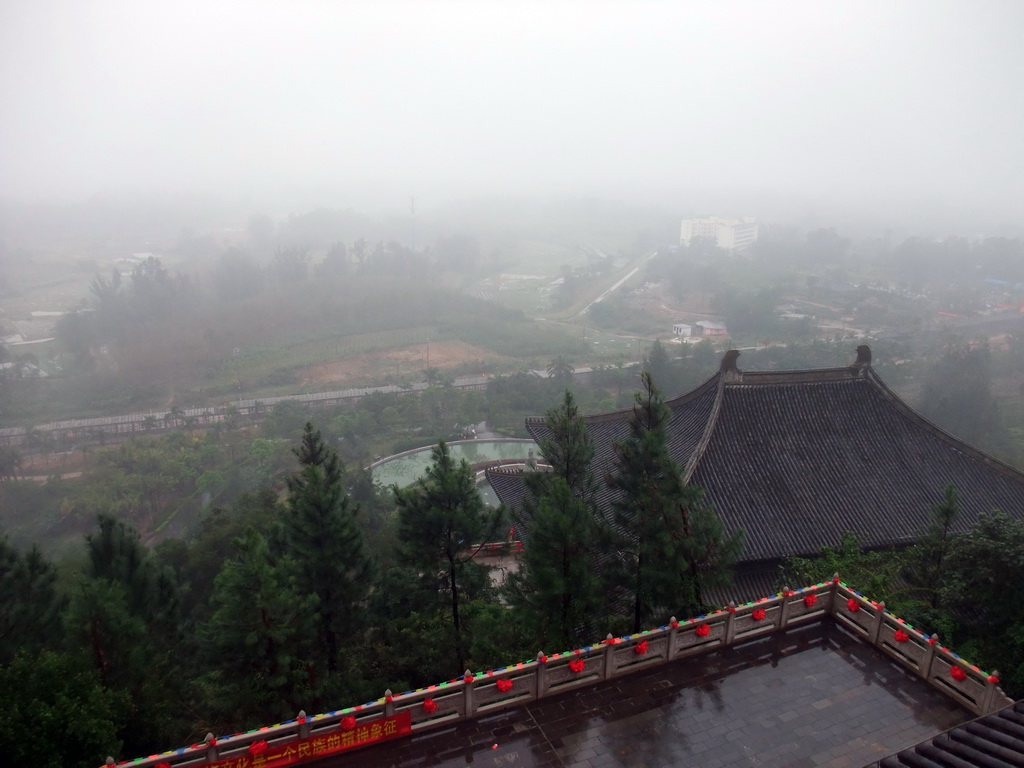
{"x":389,"y":703}
{"x":835,"y":593}
{"x":929,"y":656}
{"x":876,"y":630}
{"x":467,"y":693}
{"x":542,"y":675}
{"x":303,"y":724}
{"x":730,"y":623}
{"x":608,"y":667}
{"x":212,"y":753}
{"x":784,"y":608}
{"x":988,"y":702}
{"x":673,"y":639}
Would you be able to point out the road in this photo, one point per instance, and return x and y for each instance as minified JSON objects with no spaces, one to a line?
{"x":618,"y":284}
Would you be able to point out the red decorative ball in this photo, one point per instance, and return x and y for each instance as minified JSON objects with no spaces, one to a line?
{"x":504,"y":685}
{"x":468,"y":678}
{"x":258,"y":747}
{"x":348,"y":723}
{"x":702,"y":630}
{"x":900,"y":636}
{"x":757,"y":614}
{"x":957,"y":673}
{"x":675,"y":625}
{"x":852,"y":605}
{"x":576,"y":665}
{"x":810,"y":600}
{"x":429,"y":706}
{"x":993,"y":679}
{"x":640,"y":648}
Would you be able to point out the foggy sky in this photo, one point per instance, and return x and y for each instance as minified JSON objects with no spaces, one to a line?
{"x":880,"y":103}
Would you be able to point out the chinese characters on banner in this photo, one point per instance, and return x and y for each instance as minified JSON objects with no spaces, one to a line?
{"x":322,"y":745}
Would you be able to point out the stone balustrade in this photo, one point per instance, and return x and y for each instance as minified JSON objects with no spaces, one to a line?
{"x":482,"y":693}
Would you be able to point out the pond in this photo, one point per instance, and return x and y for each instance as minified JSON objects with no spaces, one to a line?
{"x":405,"y":468}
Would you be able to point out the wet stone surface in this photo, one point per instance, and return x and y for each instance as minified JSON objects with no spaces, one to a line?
{"x":815,"y":696}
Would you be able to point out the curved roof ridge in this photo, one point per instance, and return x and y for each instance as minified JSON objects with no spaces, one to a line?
{"x":709,"y":429}
{"x":797,"y":376}
{"x":598,"y":418}
{"x":939,"y":432}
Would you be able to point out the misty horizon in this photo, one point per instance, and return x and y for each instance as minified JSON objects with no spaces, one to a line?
{"x":887,"y":111}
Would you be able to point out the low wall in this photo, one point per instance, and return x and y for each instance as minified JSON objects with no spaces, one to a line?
{"x":482,"y":693}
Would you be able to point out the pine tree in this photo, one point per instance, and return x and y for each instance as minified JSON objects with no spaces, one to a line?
{"x":556,"y":587}
{"x":927,"y":560}
{"x":658,"y":365}
{"x":324,"y":541}
{"x":29,"y":606}
{"x":125,"y":611}
{"x":260,"y":632}
{"x":441,"y":516}
{"x":672,"y":544}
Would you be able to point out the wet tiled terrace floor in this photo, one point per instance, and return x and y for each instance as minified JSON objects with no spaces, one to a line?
{"x":812,"y":697}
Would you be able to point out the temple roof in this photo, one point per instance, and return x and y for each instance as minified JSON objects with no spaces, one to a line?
{"x":797,"y":458}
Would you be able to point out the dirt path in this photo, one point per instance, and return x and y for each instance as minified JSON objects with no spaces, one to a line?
{"x":402,"y":362}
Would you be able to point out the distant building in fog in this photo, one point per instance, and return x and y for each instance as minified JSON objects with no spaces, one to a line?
{"x":711,"y":328}
{"x":729,"y":234}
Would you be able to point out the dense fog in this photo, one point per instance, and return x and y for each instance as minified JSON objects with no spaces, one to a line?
{"x":250,"y":250}
{"x":897,"y":110}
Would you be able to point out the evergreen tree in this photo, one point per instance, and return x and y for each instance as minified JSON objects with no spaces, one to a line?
{"x":658,"y":365}
{"x":325,"y":543}
{"x":124,"y":610}
{"x":983,"y":593}
{"x":29,"y":606}
{"x":441,"y":516}
{"x":671,"y":545}
{"x":259,"y":634}
{"x":56,"y":714}
{"x":556,"y":588}
{"x":927,"y":559}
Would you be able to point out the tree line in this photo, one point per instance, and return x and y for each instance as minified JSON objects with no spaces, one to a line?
{"x":277,"y":605}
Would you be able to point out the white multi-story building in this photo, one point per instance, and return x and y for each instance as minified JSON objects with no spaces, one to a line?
{"x":728,"y":234}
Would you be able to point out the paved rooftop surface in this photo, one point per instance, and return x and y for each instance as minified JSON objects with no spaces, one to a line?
{"x":814,"y":696}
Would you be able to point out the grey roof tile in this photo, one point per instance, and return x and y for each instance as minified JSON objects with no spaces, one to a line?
{"x":796,"y":459}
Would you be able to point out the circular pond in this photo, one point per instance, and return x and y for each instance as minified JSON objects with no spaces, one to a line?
{"x":404,"y":469}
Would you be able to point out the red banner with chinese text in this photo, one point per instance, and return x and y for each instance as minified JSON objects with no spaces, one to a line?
{"x":322,"y":745}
